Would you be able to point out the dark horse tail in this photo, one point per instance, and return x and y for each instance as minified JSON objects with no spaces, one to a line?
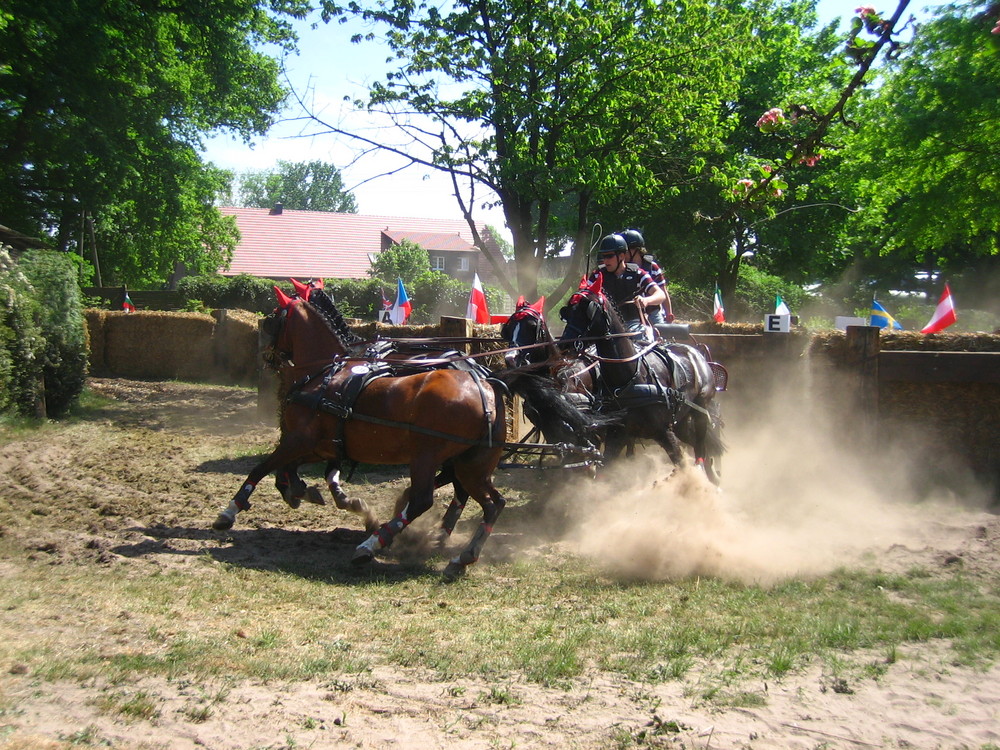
{"x":548,"y":408}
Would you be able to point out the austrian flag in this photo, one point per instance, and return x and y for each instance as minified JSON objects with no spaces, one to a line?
{"x":944,"y":314}
{"x":477,"y":310}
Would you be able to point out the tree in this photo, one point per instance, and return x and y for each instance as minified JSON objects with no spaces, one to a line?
{"x":303,"y":186}
{"x":555,"y":106}
{"x":934,"y":122}
{"x":406,"y":261}
{"x":101,"y":99}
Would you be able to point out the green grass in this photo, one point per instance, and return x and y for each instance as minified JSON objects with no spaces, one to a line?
{"x":547,"y":624}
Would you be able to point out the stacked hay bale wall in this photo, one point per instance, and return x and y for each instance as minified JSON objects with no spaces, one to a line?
{"x":174,"y":345}
{"x":951,"y":419}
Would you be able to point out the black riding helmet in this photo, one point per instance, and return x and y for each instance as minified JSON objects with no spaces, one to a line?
{"x":613,"y":243}
{"x":633,"y":238}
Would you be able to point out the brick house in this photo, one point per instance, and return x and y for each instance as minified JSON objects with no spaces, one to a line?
{"x":278,"y":243}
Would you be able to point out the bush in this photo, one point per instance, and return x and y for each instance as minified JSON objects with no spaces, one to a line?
{"x":60,"y":316}
{"x":22,"y":345}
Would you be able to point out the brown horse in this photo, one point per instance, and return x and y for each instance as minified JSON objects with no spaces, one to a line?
{"x":340,"y":340}
{"x":665,"y":391}
{"x":350,"y":409}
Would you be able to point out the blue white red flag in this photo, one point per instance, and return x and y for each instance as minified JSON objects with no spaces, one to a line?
{"x":402,"y":309}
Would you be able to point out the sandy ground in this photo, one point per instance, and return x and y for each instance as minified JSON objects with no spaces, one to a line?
{"x":106,"y":490}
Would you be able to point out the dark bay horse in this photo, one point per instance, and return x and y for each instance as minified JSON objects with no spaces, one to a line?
{"x":575,"y":374}
{"x":665,"y":391}
{"x":350,"y":409}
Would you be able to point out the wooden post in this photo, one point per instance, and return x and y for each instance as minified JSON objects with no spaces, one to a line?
{"x":862,"y":358}
{"x":458,"y":328}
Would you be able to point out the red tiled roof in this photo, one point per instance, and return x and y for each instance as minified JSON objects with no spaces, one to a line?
{"x":437,"y":241}
{"x":319,"y":244}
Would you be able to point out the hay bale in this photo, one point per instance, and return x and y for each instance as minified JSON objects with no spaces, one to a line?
{"x":166,"y":345}
{"x":96,"y":345}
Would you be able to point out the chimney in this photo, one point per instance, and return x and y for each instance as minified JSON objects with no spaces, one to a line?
{"x":278,"y":207}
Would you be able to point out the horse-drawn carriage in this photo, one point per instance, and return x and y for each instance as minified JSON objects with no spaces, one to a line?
{"x":443,"y":413}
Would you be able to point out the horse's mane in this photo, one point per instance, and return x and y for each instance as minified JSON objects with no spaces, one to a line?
{"x":322,"y":302}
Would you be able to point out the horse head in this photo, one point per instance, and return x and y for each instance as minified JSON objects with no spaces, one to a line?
{"x":299,"y":332}
{"x":586,"y":314}
{"x":524,"y":329}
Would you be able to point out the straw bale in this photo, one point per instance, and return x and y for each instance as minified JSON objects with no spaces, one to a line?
{"x":940,"y":342}
{"x":169,"y":345}
{"x":96,"y":344}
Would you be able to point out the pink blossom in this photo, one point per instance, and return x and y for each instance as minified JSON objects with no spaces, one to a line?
{"x":746,"y":184}
{"x":767,"y":168}
{"x":810,"y":160}
{"x":865,"y":10}
{"x":996,"y":29}
{"x":771,"y":120}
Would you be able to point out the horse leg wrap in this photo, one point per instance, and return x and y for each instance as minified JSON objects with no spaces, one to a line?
{"x":390,"y":529}
{"x":471,"y":553}
{"x":242,"y":498}
{"x":451,"y":516}
{"x":380,"y":539}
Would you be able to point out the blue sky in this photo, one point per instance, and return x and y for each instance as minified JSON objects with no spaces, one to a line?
{"x":328,"y":69}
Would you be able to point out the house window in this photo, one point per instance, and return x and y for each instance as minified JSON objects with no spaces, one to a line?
{"x":437,"y":262}
{"x":463,"y":264}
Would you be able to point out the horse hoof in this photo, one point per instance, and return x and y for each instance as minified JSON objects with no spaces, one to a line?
{"x":223,"y":522}
{"x":453,"y":572}
{"x":293,"y":502}
{"x":314,"y":496}
{"x":362,"y":556}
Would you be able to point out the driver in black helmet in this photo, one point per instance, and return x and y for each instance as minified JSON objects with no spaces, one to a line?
{"x":637,"y":254}
{"x":626,"y":283}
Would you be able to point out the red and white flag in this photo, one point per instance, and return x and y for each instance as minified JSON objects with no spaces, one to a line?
{"x":944,"y":315}
{"x":718,"y":311}
{"x":477,"y":310}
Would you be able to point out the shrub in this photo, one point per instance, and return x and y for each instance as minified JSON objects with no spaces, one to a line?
{"x":21,"y":341}
{"x":59,"y":312}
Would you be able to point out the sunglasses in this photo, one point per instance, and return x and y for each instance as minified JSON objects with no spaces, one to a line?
{"x":609,"y":255}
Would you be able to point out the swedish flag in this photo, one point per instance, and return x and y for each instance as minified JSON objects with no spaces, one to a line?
{"x":880,"y":317}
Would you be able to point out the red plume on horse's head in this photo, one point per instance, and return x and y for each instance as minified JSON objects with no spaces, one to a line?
{"x":521,"y":302}
{"x":539,"y":306}
{"x":596,"y":286}
{"x":284,"y":301}
{"x":302,"y":289}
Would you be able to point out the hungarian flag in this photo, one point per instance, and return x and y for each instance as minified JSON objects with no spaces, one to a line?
{"x":880,"y":317}
{"x":944,"y":315}
{"x":127,"y":305}
{"x":780,"y":308}
{"x":476,"y":309}
{"x":718,"y":311}
{"x":402,"y":309}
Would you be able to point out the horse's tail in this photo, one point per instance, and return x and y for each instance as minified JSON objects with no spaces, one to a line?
{"x":551,"y":411}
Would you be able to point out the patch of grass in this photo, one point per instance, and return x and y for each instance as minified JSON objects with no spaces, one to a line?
{"x":89,"y":736}
{"x":137,"y":706}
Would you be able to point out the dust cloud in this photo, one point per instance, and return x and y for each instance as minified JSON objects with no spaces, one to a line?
{"x":794,"y":502}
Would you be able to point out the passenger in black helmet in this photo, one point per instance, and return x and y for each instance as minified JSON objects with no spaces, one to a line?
{"x":626,"y":283}
{"x":637,"y":254}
